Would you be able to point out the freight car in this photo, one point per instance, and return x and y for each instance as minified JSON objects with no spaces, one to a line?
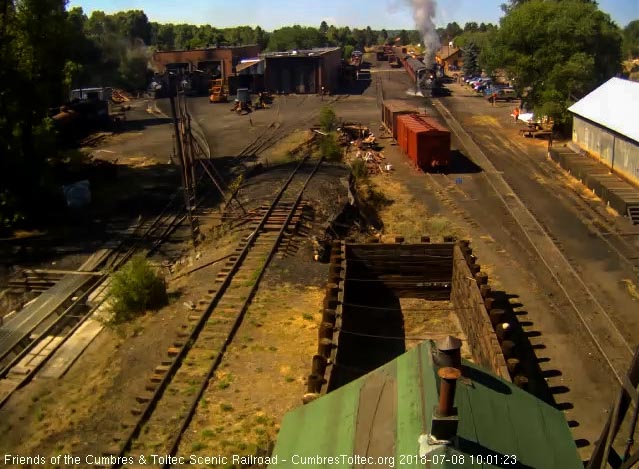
{"x":424,"y":140}
{"x":392,"y":108}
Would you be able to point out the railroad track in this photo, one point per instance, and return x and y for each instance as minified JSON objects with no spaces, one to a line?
{"x":32,"y":345}
{"x":607,"y":338}
{"x":275,"y":132}
{"x":598,"y":224}
{"x":164,"y":411}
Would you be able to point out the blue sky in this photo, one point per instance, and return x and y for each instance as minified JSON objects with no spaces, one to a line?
{"x":271,"y":14}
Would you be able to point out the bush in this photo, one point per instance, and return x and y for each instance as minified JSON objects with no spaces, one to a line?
{"x":328,"y":119}
{"x":330,"y":148}
{"x":359,"y":170}
{"x":134,"y":289}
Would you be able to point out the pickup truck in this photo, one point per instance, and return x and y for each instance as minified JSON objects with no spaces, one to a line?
{"x":503,"y":94}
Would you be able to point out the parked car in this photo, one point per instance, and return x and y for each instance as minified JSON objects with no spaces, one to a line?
{"x":477,"y":82}
{"x":503,"y":94}
{"x":493,"y":88}
{"x":482,"y":85}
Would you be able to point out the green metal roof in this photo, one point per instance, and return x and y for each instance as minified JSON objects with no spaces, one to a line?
{"x":382,"y":415}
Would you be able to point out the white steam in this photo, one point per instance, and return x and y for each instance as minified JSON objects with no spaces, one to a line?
{"x":424,"y":15}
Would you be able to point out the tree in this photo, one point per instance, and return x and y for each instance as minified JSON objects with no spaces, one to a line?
{"x":369,"y":37}
{"x":164,"y":37}
{"x":403,"y":37}
{"x":261,"y":37}
{"x":471,"y":27}
{"x":347,"y":52}
{"x":34,"y":63}
{"x":323,"y":29}
{"x":471,"y":60}
{"x":556,"y":51}
{"x":452,"y":31}
{"x":414,"y":37}
{"x":295,"y":37}
{"x":631,"y":40}
{"x":132,"y":25}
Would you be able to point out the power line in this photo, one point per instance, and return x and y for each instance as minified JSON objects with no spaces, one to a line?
{"x":425,"y":311}
{"x":389,"y":337}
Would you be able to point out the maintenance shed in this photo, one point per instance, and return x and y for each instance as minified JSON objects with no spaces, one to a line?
{"x":605,"y":126}
{"x":303,"y":71}
{"x":388,"y":418}
{"x":218,"y":62}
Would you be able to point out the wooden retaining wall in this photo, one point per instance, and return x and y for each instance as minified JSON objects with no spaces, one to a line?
{"x":489,"y":330}
{"x":469,"y":295}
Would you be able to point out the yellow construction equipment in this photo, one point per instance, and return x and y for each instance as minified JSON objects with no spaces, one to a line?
{"x":219,"y":91}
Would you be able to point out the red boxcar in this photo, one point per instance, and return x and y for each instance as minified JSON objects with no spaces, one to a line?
{"x":424,"y":140}
{"x":393,"y":108}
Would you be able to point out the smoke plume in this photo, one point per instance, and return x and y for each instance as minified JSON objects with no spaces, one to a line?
{"x":424,"y":15}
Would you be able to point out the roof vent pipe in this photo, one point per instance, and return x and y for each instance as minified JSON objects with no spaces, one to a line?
{"x":445,"y":420}
{"x":448,"y":352}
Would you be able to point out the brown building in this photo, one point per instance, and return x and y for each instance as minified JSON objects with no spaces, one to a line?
{"x":219,"y":62}
{"x":303,"y":71}
{"x":450,"y":58}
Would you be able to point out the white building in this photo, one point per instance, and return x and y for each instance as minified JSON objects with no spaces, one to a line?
{"x":606,"y":125}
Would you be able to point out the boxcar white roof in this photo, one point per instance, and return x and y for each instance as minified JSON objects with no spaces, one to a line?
{"x":613,"y":105}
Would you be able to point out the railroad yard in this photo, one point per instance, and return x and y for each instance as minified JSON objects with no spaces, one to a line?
{"x":215,"y":370}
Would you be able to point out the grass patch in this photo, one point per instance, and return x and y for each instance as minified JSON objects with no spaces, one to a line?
{"x":307,"y":316}
{"x":197,"y":446}
{"x":226,"y":407}
{"x":262,"y":420}
{"x":282,"y":152}
{"x":403,"y":215}
{"x":440,"y":226}
{"x":225,"y":381}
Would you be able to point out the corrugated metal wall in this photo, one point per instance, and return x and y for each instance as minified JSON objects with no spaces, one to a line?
{"x":291,"y":74}
{"x":330,"y":69}
{"x":613,"y":150}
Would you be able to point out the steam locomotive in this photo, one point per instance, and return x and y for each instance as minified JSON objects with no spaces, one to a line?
{"x":427,"y":80}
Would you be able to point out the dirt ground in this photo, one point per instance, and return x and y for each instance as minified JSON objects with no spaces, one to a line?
{"x":262,"y":374}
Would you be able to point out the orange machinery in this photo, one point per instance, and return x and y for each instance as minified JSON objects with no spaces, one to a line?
{"x":219,"y":91}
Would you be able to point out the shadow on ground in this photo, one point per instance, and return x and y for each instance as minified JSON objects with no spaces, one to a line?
{"x":141,"y":124}
{"x":531,"y":355}
{"x":461,"y":164}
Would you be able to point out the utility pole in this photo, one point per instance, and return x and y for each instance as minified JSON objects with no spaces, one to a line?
{"x":180,"y":137}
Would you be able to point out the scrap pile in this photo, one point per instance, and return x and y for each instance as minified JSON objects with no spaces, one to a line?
{"x":356,"y":135}
{"x":361,"y":145}
{"x":375,"y":160}
{"x":120,"y":96}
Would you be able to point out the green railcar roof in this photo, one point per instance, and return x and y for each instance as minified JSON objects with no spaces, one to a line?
{"x":383,"y":417}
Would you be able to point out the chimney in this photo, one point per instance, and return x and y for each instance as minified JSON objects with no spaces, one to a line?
{"x":448,"y":352}
{"x":445,"y":420}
